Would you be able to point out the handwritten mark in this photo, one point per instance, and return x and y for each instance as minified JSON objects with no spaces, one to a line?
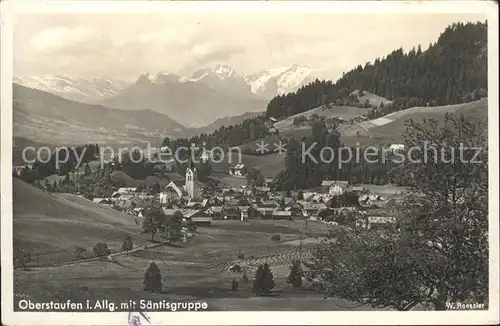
{"x":134,"y":318}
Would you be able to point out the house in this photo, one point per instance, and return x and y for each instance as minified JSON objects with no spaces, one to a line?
{"x":139,"y":211}
{"x":279,"y":214}
{"x":238,"y":170}
{"x":268,"y":181}
{"x":371,"y":200}
{"x":103,"y":201}
{"x":377,"y":222}
{"x":126,"y":190}
{"x":270,"y":122}
{"x":244,"y":215}
{"x":231,"y":213}
{"x":215,"y":211}
{"x":272,"y":131}
{"x":202,"y":220}
{"x":358,"y":189}
{"x":263,"y":189}
{"x":312,"y":209}
{"x":334,"y":187}
{"x":396,"y":147}
{"x":170,"y":192}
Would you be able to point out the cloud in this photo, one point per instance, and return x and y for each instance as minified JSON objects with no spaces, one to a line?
{"x":56,"y":38}
{"x":127,"y":45}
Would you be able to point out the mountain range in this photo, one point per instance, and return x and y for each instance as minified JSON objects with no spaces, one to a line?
{"x":48,"y":118}
{"x":195,"y":101}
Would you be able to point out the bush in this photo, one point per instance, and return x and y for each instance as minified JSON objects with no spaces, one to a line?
{"x":152,"y":279}
{"x":80,"y":252}
{"x":128,"y":244}
{"x":276,"y":237}
{"x":101,"y":250}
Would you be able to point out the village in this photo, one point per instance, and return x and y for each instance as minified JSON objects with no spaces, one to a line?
{"x":333,"y":202}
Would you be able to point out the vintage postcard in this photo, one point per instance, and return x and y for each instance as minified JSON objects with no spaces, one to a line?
{"x":249,"y":163}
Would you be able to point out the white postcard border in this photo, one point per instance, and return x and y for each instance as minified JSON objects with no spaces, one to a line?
{"x":10,"y":8}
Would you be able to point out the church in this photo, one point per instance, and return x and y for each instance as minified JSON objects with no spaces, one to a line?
{"x":191,"y":189}
{"x":193,"y":186}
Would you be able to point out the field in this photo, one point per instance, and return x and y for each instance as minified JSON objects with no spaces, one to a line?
{"x":388,"y":129}
{"x":344,"y":112}
{"x":270,"y":165}
{"x":191,"y":272}
{"x":52,"y":225}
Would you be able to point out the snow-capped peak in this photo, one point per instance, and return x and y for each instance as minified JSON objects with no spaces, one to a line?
{"x":224,"y":71}
{"x":280,"y":80}
{"x":79,"y":89}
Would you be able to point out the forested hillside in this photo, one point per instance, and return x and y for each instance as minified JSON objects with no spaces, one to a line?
{"x":452,"y":70}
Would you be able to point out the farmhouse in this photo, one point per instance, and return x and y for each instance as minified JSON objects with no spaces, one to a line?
{"x":238,"y":170}
{"x":334,"y":187}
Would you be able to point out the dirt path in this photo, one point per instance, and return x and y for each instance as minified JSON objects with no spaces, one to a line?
{"x":110,"y":256}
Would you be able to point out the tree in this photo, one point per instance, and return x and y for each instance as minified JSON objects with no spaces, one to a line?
{"x":264,"y":280}
{"x":295,"y":276}
{"x":101,"y":250}
{"x":438,"y":251}
{"x":174,"y":227}
{"x":128,"y":244}
{"x":152,"y":279}
{"x":154,"y":220}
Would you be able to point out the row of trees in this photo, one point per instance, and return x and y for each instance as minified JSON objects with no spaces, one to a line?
{"x":225,"y":136}
{"x":63,"y":161}
{"x":169,"y":227}
{"x":452,"y":70}
{"x":262,"y":285}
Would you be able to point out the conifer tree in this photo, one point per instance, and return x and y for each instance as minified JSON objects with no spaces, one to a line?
{"x":152,"y":279}
{"x":264,"y":280}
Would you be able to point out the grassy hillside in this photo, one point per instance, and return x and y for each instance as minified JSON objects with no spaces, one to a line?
{"x":52,"y":225}
{"x":52,"y":119}
{"x":269,"y":165}
{"x":389,"y":128}
{"x":344,"y":112}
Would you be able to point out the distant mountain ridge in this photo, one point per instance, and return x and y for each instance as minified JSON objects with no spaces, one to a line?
{"x":48,"y":118}
{"x":75,"y":89}
{"x":191,"y":103}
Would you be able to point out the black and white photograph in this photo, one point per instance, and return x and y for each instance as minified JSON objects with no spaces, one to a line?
{"x":282,"y":157}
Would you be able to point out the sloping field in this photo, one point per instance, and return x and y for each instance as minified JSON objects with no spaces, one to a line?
{"x":123,"y":179}
{"x":51,"y":225}
{"x":344,"y":112}
{"x":389,"y":128}
{"x":270,"y":165}
{"x":373,"y":99}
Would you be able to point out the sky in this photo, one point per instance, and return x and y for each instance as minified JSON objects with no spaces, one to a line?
{"x":123,"y":46}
